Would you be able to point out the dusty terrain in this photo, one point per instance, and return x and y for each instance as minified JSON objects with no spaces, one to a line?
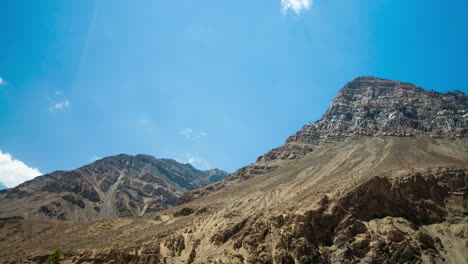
{"x":366,"y":106}
{"x":345,"y":202}
{"x":117,"y":186}
{"x":381,"y":178}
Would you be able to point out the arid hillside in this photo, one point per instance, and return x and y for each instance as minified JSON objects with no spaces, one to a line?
{"x":371,"y":200}
{"x":379,"y":191}
{"x":366,"y":106}
{"x":117,"y":186}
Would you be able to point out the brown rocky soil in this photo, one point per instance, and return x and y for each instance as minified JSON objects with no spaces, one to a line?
{"x":118,"y":186}
{"x":381,"y":178}
{"x":366,"y":106}
{"x":368,"y":200}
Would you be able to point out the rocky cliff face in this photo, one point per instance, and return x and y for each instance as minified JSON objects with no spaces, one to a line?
{"x":378,"y":107}
{"x":118,"y":186}
{"x":367,"y":106}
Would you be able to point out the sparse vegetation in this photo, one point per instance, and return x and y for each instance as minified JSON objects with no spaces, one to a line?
{"x":54,"y":258}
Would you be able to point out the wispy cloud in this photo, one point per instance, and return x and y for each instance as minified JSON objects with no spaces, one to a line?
{"x":14,"y":172}
{"x":95,"y":158}
{"x":197,"y":162}
{"x":187,"y":132}
{"x":295,"y":5}
{"x":2,"y":81}
{"x":191,"y":134}
{"x":59,"y":102}
{"x":61,"y":105}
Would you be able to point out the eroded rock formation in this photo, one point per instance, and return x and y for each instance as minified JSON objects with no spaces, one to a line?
{"x":382,"y":184}
{"x":118,"y":186}
{"x":367,"y":106}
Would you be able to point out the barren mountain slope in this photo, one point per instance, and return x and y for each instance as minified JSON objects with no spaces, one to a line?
{"x":121,"y":185}
{"x":366,"y":106}
{"x":381,"y":178}
{"x":370,"y":199}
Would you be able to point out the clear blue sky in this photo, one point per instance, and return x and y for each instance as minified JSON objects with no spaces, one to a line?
{"x":214,"y":83}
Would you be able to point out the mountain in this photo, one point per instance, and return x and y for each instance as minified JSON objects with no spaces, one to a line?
{"x":117,"y":186}
{"x":382,"y":177}
{"x":367,"y":106}
{"x":379,"y":107}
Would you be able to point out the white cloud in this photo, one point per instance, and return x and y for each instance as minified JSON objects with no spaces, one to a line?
{"x":295,"y":5}
{"x":187,"y":132}
{"x":191,"y":134}
{"x":58,"y":102}
{"x":197,"y":162}
{"x":60,"y":105}
{"x":14,"y":172}
{"x":2,"y":81}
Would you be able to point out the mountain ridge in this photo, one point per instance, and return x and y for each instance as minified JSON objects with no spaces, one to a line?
{"x":120,"y":185}
{"x":339,"y":192}
{"x":409,"y":110}
{"x":369,"y":200}
{"x":345,"y":120}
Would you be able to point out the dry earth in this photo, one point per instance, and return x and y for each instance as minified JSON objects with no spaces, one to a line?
{"x":116,"y":186}
{"x":369,"y":200}
{"x":380,"y":178}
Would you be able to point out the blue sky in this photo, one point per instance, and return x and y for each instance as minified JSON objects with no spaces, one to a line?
{"x":213,"y":83}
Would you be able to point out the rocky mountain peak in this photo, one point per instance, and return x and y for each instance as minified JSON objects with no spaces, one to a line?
{"x":372,"y":106}
{"x":366,"y":106}
{"x":347,"y":188}
{"x":370,"y":88}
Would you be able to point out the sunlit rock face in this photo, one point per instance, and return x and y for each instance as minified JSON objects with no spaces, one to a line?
{"x":378,"y":107}
{"x":366,"y":106}
{"x":117,"y":186}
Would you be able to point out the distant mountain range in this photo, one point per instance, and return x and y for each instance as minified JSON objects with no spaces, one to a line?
{"x":117,"y":186}
{"x":382,"y":177}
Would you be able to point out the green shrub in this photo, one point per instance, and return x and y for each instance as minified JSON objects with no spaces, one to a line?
{"x":54,"y":258}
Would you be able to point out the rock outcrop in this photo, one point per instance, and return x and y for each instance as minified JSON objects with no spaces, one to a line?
{"x":370,"y":106}
{"x":339,"y":191}
{"x":367,"y":106}
{"x":118,"y":186}
{"x":371,"y":200}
